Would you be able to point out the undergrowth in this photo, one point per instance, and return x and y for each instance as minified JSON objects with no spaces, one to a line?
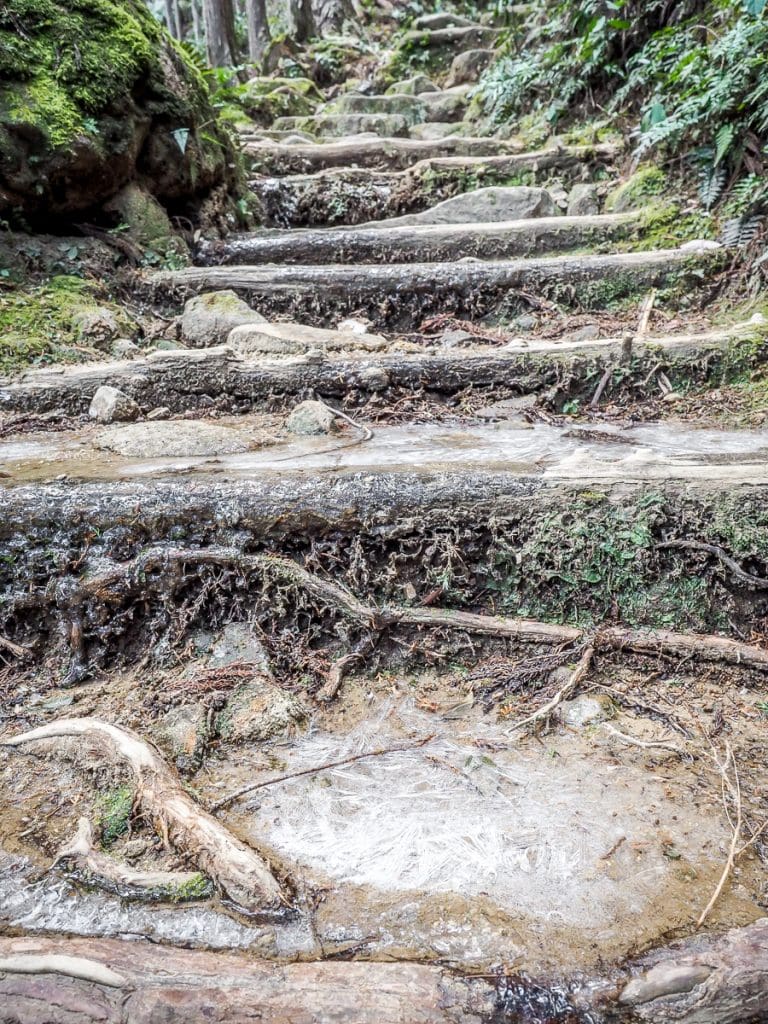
{"x":688,"y":82}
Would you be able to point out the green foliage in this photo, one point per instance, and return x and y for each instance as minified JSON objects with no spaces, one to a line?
{"x":695,"y":74}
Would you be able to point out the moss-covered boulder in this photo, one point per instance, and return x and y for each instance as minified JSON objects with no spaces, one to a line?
{"x":94,"y":94}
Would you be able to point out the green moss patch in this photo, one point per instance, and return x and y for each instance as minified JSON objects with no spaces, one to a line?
{"x":113,"y":813}
{"x":61,"y":63}
{"x":36,"y":324}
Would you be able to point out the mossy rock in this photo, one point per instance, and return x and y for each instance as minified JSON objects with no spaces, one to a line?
{"x":409,"y":107}
{"x":647,"y":183}
{"x":93,"y":95}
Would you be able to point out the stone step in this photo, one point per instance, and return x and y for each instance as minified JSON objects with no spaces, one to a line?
{"x":357,"y":195}
{"x":189,"y":379}
{"x":422,"y":243}
{"x":382,"y":153}
{"x":342,"y":126}
{"x":400,"y":295}
{"x":453,"y":38}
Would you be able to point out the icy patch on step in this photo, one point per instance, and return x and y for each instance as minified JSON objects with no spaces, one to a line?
{"x":525,"y":827}
{"x":53,"y":904}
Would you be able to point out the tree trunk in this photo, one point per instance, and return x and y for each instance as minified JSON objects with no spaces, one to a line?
{"x":301,"y":20}
{"x":330,"y":15}
{"x":259,"y":36}
{"x":171,"y":18}
{"x":219,"y":18}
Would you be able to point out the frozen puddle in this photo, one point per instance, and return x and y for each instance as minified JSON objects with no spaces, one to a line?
{"x":527,"y":828}
{"x":654,"y":451}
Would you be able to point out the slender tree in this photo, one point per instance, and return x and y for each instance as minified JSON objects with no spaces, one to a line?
{"x":259,"y":36}
{"x":330,"y":15}
{"x":220,"y":40}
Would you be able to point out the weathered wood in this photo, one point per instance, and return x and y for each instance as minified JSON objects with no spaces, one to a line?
{"x":237,"y":869}
{"x":396,"y":293}
{"x":421,"y":242}
{"x":453,"y":37}
{"x":113,"y":982}
{"x":180,"y":380}
{"x":344,"y":195}
{"x":395,"y":154}
{"x":719,"y":980}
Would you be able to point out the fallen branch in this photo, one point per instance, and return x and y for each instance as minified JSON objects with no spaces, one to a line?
{"x":643,"y":744}
{"x":700,"y":646}
{"x":236,"y":869}
{"x":626,"y":351}
{"x":253,"y":786}
{"x":15,"y":649}
{"x":81,"y":856}
{"x":753,"y":582}
{"x":733,"y":786}
{"x":562,"y":694}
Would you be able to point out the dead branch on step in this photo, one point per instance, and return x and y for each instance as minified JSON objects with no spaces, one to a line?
{"x":237,"y":870}
{"x":733,"y":567}
{"x":582,"y":667}
{"x":252,"y":787}
{"x":626,"y":350}
{"x":88,"y":863}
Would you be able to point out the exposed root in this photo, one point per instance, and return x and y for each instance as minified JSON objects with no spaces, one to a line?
{"x":733,"y":567}
{"x":583,"y":666}
{"x":15,"y":649}
{"x":69,"y":966}
{"x":237,"y":870}
{"x":119,"y":581}
{"x":89,"y":864}
{"x":643,"y":744}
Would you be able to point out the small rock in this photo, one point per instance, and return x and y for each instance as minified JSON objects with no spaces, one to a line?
{"x":182,"y":733}
{"x":124,"y":348}
{"x":582,"y":711}
{"x":525,"y":322}
{"x":259,"y":710}
{"x":759,"y":319}
{"x":239,"y":644}
{"x":354,"y":326}
{"x":162,"y":412}
{"x":311,"y":418}
{"x":700,"y":245}
{"x":110,"y":405}
{"x":450,"y":339}
{"x":134,"y":850}
{"x":468,"y":66}
{"x":374,"y":378}
{"x":583,"y":200}
{"x":415,"y":86}
{"x":96,"y":325}
{"x":168,"y":345}
{"x":586,"y":333}
{"x":671,"y":396}
{"x":208,"y":319}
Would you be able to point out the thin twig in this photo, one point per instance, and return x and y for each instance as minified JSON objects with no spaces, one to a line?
{"x":252,"y":787}
{"x":753,"y":582}
{"x":735,"y":788}
{"x":563,"y":693}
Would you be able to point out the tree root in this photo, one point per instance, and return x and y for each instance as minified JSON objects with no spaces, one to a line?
{"x":121,"y":580}
{"x":745,"y":578}
{"x":238,"y":871}
{"x":81,"y":857}
{"x":562,"y":694}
